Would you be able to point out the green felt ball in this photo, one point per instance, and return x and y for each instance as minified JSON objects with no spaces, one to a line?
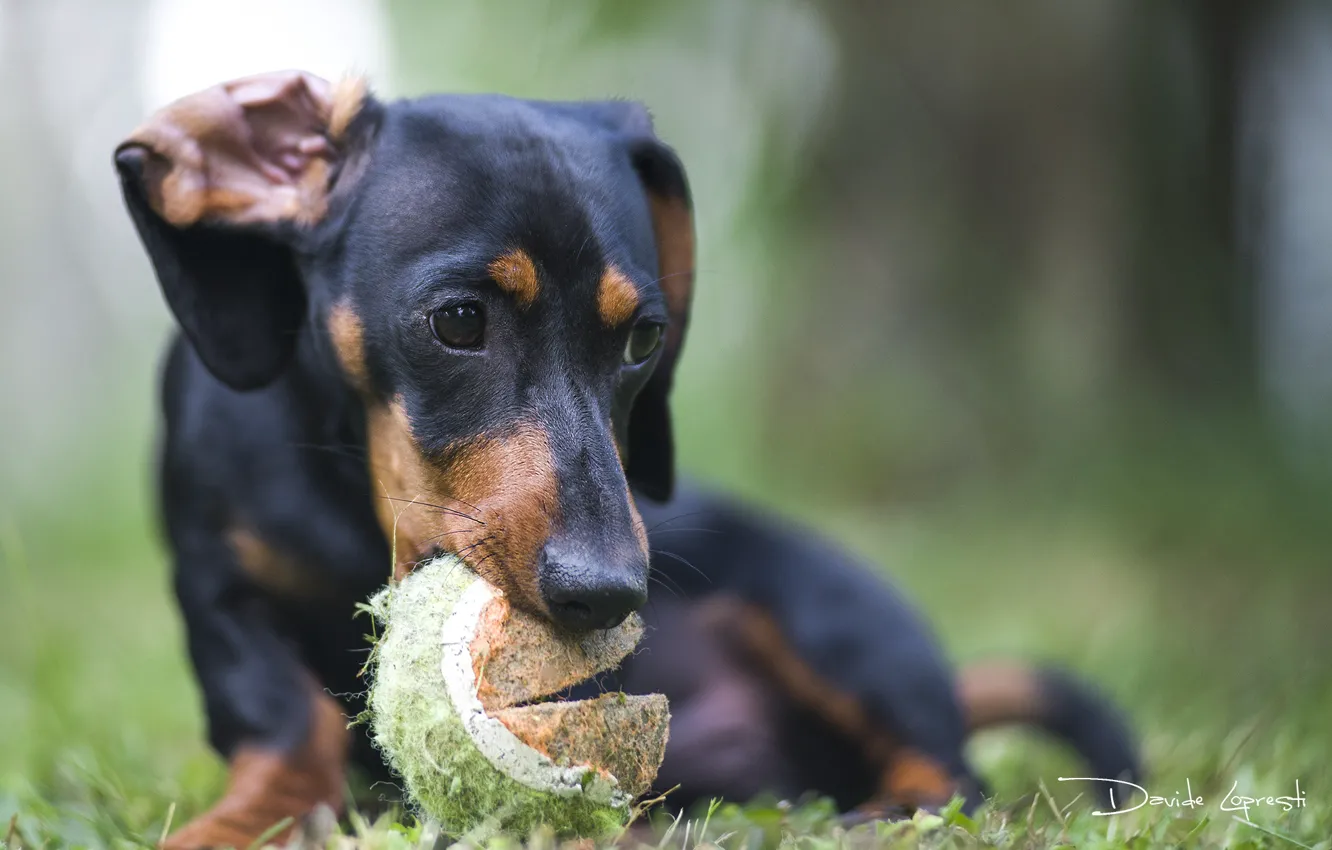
{"x":449,"y":732}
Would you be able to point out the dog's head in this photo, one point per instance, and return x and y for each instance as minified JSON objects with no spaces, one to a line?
{"x":504,"y":284}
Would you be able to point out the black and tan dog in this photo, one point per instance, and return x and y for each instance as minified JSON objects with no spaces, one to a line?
{"x":450,"y":324}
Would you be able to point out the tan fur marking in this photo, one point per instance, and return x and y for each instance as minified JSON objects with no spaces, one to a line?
{"x":515,"y":273}
{"x":673,"y":226}
{"x":640,"y":528}
{"x":269,"y":568}
{"x":312,"y":194}
{"x":617,"y":298}
{"x":907,"y":777}
{"x":492,"y":500}
{"x":915,"y":779}
{"x":348,"y":335}
{"x":762,"y":638}
{"x":267,"y":787}
{"x":349,"y":95}
{"x":998,"y":692}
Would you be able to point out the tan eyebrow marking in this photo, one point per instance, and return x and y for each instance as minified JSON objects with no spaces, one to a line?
{"x":516,"y":274}
{"x":348,"y":335}
{"x":617,"y":297}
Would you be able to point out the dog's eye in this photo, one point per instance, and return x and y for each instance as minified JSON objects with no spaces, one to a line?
{"x":643,"y":340}
{"x":460,"y":326}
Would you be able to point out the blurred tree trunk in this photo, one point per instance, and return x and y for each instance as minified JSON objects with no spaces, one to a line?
{"x":970,"y":166}
{"x":1029,"y":216}
{"x":967,"y":183}
{"x":1286,"y":120}
{"x":1017,"y":125}
{"x":1192,"y":297}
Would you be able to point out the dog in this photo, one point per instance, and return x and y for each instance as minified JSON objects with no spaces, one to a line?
{"x":450,"y":324}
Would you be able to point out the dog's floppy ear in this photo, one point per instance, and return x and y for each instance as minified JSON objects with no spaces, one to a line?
{"x":219,"y":184}
{"x":651,"y":450}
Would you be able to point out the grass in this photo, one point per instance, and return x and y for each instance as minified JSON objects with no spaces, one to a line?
{"x":1201,"y":611}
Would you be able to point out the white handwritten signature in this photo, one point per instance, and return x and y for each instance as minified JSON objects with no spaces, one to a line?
{"x":1232,"y":802}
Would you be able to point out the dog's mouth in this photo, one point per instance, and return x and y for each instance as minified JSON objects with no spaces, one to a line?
{"x":544,"y":686}
{"x":522,"y":659}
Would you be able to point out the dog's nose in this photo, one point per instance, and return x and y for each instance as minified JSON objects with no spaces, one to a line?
{"x":584,"y":597}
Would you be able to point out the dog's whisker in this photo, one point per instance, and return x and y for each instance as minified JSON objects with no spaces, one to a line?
{"x":449,"y":511}
{"x":581,"y":248}
{"x":469,"y":547}
{"x":439,"y":537}
{"x":477,"y":565}
{"x":675,"y":518}
{"x":436,"y":509}
{"x":661,"y":578}
{"x":664,"y":586}
{"x":348,"y":450}
{"x":674,"y":557}
{"x":463,"y":552}
{"x":676,"y":274}
{"x":463,"y":502}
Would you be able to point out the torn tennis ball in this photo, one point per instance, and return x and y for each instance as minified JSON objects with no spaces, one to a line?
{"x":458,"y":675}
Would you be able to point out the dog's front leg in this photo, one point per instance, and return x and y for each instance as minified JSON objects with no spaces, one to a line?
{"x":285,"y":739}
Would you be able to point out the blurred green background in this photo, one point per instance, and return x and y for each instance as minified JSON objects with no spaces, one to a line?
{"x":1031,"y":303}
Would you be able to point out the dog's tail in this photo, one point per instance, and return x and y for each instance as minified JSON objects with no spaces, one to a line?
{"x":1007,"y":693}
